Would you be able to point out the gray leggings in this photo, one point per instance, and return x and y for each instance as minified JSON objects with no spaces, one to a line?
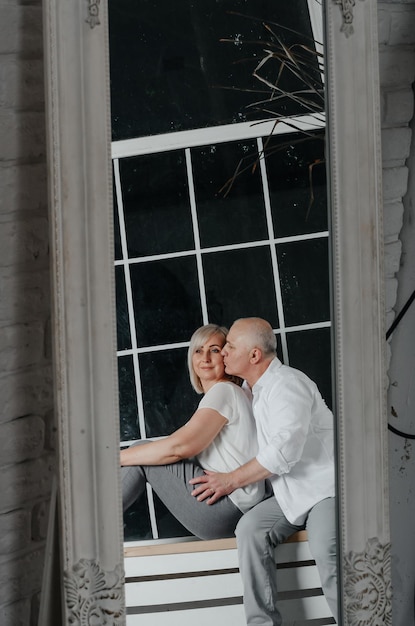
{"x":171,"y":484}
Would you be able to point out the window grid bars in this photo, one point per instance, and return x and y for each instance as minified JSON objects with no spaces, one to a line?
{"x":282,"y":331}
{"x":271,"y":242}
{"x":170,"y":346}
{"x":274,"y":259}
{"x":235,"y":246}
{"x":196,"y":236}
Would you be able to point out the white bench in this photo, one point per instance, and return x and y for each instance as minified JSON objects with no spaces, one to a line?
{"x":198,"y":583}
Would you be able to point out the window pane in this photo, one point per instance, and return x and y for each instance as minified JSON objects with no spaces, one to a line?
{"x":168,"y":526}
{"x":129,"y":428}
{"x":117,"y":236}
{"x":156,"y":204}
{"x":170,"y":70}
{"x":238,"y":217}
{"x":304,"y":281}
{"x":169,"y":400}
{"x":166,"y":300}
{"x":279,"y":349}
{"x":239,"y":283}
{"x":310,"y":352}
{"x":123,"y":322}
{"x":297,"y":183}
{"x":137,"y":521}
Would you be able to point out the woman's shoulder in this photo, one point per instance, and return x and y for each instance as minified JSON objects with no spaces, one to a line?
{"x":225,"y":390}
{"x":231,"y":393}
{"x":226,"y":387}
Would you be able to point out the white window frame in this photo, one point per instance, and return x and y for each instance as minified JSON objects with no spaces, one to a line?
{"x":196,"y":138}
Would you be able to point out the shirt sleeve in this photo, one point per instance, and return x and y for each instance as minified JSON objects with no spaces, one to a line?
{"x":286,"y":412}
{"x":220,"y":398}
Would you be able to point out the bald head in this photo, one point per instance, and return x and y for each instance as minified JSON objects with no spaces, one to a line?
{"x":256,"y":333}
{"x":249,"y":349}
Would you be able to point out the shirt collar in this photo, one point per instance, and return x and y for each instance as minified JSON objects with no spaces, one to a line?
{"x":262,"y":380}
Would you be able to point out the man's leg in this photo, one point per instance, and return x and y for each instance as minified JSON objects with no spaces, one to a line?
{"x":257,"y":533}
{"x":322,"y":539}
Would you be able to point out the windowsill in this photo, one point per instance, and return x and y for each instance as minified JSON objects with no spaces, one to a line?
{"x":194,"y":546}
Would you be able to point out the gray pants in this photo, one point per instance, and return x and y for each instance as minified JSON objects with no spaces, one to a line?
{"x":171,"y":484}
{"x":258,"y":532}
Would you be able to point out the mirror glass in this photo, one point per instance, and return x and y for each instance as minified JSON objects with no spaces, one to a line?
{"x":206,"y":231}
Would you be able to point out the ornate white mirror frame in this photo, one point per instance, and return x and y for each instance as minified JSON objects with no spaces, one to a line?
{"x":84,"y":318}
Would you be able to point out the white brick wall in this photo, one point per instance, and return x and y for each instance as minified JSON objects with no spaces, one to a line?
{"x":26,"y":444}
{"x":26,"y":418}
{"x":397,"y":71}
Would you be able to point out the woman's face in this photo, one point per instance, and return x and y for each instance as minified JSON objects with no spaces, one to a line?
{"x":207,"y":361}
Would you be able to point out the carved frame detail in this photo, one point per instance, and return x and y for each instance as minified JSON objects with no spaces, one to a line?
{"x":368,"y":588}
{"x":76,"y":57}
{"x":93,"y":13}
{"x":93,"y":596}
{"x":346,"y":7}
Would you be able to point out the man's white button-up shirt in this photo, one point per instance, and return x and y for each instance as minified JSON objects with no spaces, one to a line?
{"x":295,"y":439}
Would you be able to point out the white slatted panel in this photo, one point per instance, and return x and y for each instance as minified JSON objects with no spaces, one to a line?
{"x":178,"y":563}
{"x":199,"y":588}
{"x":188,"y":588}
{"x":293,"y":613}
{"x":216,"y":559}
{"x":216,"y":616}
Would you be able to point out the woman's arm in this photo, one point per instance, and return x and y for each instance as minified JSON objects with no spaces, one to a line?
{"x":185,"y":442}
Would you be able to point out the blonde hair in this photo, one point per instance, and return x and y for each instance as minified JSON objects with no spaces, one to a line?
{"x":199,"y":338}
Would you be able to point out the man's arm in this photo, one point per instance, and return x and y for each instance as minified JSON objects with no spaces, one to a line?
{"x":214,"y":485}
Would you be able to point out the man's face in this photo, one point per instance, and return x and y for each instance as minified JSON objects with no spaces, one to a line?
{"x":235,"y":352}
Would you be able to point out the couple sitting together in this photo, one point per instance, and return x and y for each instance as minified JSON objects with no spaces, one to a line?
{"x":255,"y":460}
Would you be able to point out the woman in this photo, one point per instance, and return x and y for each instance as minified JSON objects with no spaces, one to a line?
{"x":219,"y":437}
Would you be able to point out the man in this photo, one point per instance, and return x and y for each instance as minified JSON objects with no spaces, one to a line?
{"x":296,"y":454}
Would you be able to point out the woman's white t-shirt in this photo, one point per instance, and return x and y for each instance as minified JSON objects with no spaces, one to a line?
{"x":236,"y":444}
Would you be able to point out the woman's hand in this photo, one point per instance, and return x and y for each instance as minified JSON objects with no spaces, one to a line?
{"x":212,"y":486}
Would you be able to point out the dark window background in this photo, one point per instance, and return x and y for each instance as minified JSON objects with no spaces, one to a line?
{"x":123,"y":322}
{"x":170,"y":71}
{"x":304,"y":281}
{"x":239,"y":283}
{"x":129,"y":427}
{"x":156,"y":204}
{"x":310,"y":352}
{"x":117,"y":235}
{"x":238,"y":216}
{"x":296,"y":170}
{"x":166,"y":300}
{"x":169,"y":400}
